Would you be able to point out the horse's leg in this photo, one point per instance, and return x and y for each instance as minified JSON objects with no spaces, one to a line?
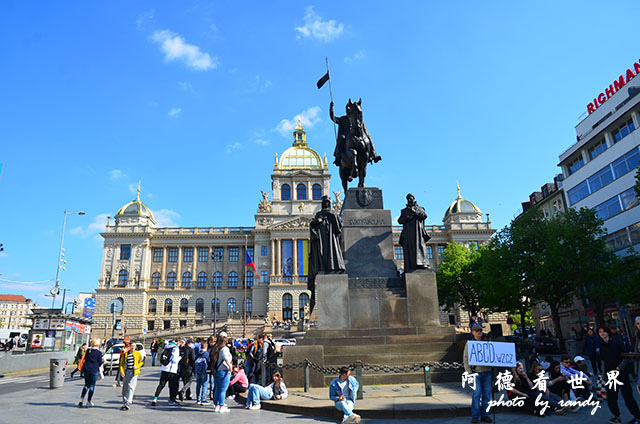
{"x":344,"y":176}
{"x":362,"y":171}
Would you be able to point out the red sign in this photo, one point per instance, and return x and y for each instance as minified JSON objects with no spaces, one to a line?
{"x":613,"y":88}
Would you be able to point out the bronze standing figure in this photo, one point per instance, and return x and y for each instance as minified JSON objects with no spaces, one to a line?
{"x":414,"y":237}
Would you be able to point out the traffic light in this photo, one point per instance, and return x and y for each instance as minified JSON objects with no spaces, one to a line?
{"x":76,"y":305}
{"x":1,"y":247}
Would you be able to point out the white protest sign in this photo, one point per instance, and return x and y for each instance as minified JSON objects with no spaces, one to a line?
{"x":492,"y":354}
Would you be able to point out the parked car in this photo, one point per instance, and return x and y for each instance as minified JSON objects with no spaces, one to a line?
{"x":112,"y":355}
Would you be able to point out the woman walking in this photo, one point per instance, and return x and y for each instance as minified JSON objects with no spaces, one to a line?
{"x":91,"y":369}
{"x":222,"y":367}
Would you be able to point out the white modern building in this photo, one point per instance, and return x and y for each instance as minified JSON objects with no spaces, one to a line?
{"x":599,"y":169}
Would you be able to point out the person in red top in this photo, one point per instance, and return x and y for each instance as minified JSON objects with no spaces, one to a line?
{"x":239,"y":382}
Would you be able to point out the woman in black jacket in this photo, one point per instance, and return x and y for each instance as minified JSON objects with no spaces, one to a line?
{"x":611,"y":356}
{"x":91,"y":369}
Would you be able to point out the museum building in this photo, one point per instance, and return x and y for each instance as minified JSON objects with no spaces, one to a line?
{"x":170,"y":277}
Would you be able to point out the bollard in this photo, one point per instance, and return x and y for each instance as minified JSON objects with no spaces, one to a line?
{"x":359,"y":378}
{"x":427,"y":381}
{"x":306,"y":376}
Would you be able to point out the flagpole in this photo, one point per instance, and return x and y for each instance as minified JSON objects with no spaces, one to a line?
{"x":335,"y":134}
{"x":244,"y":302}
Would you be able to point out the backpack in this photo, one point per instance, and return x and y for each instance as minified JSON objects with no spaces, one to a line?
{"x":165,"y":358}
{"x":201,"y":365}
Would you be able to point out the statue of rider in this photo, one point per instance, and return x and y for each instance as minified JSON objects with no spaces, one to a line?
{"x":344,"y":127}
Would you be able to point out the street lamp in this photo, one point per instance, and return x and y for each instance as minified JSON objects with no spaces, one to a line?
{"x":56,"y":289}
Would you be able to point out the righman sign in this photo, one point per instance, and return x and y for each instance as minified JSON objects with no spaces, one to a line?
{"x":613,"y":88}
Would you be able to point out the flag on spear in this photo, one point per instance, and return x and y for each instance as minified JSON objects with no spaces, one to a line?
{"x":250,"y":264}
{"x":323,"y":80}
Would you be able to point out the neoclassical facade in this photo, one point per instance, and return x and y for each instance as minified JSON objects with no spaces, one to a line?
{"x":185,"y":276}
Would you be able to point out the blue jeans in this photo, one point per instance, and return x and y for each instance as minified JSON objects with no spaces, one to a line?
{"x":202,"y":387}
{"x":89,"y":384}
{"x":153,"y":358}
{"x":221,"y":380}
{"x":346,"y":407}
{"x":483,"y":389}
{"x":257,"y":392}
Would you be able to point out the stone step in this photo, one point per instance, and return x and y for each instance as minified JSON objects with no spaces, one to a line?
{"x":380,"y":340}
{"x":385,"y":348}
{"x":437,"y":376}
{"x":392,"y":358}
{"x":376,"y":332}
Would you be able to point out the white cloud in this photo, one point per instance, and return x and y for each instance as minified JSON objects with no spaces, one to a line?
{"x":165,"y":217}
{"x":318,"y":29}
{"x":176,"y":48}
{"x":116,"y":174}
{"x":308,"y":118}
{"x":96,"y":226}
{"x":259,"y":137}
{"x":145,"y":19}
{"x":4,"y":255}
{"x":235,"y":146}
{"x":175,"y":112}
{"x":186,"y":86}
{"x":357,"y":57}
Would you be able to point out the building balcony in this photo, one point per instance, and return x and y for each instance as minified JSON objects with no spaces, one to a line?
{"x":288,"y":279}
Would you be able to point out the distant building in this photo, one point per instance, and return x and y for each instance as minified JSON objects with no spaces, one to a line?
{"x":14,"y":311}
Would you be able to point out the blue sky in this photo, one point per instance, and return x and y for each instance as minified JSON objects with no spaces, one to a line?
{"x":195,"y":98}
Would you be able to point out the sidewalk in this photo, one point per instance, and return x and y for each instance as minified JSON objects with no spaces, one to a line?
{"x":388,"y":401}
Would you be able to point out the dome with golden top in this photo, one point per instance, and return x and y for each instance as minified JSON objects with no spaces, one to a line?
{"x":300,"y":155}
{"x":463,"y":206}
{"x":135,"y":208}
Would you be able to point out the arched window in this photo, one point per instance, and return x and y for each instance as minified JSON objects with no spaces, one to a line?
{"x":202,"y":280}
{"x":316,"y":192}
{"x":303,"y":300}
{"x":285,"y":192}
{"x":215,"y":303}
{"x":233,"y":279}
{"x":199,"y":306}
{"x":287,"y":306}
{"x":171,"y":279}
{"x":152,"y":306}
{"x":217,"y":279}
{"x":301,"y":192}
{"x":231,"y":306}
{"x":168,"y":306}
{"x":155,"y":279}
{"x":249,"y":279}
{"x":184,"y":306}
{"x":249,"y":306}
{"x":186,"y":279}
{"x":123,"y":276}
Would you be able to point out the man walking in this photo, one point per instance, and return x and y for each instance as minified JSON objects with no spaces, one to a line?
{"x":342,"y":391}
{"x":169,"y":360}
{"x":154,"y":352}
{"x":185,"y":368}
{"x":482,"y":381}
{"x":130,"y":363}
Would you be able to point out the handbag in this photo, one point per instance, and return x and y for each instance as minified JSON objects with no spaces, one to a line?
{"x":81,"y":363}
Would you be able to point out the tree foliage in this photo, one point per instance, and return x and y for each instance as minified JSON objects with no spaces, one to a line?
{"x":458,"y":280}
{"x":637,"y":186}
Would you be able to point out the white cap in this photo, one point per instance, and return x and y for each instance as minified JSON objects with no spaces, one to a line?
{"x":222,"y":334}
{"x":578,"y":358}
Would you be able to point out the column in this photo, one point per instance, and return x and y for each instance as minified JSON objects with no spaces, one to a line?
{"x":163,"y":272}
{"x":272,"y":246}
{"x":636,"y":119}
{"x":179,"y":270}
{"x":294,"y":248}
{"x":279,"y":261}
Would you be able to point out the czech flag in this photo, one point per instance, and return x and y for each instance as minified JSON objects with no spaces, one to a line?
{"x":251,"y":264}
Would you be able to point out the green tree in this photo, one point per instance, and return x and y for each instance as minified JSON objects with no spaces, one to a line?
{"x":458,"y":281}
{"x":637,"y":186}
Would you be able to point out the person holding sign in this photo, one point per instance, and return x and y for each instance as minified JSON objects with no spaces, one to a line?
{"x":482,"y":388}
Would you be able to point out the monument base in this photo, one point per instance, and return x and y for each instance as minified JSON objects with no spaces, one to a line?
{"x":422,"y":298}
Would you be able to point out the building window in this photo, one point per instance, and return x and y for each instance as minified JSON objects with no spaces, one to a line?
{"x":285,"y":192}
{"x":218,"y":254}
{"x":186,"y":280}
{"x":168,"y":306}
{"x":151,"y":325}
{"x":158,"y":253}
{"x":167,"y":324}
{"x":173,"y":254}
{"x":184,"y":306}
{"x":187,"y":254}
{"x":316,"y":192}
{"x":249,"y":279}
{"x":579,"y":192}
{"x":155,"y":279}
{"x":399,"y":252}
{"x":215,"y":303}
{"x":231,"y":306}
{"x":629,"y":199}
{"x":203,"y":254}
{"x":233,"y":280}
{"x":233,"y":254}
{"x":623,"y":131}
{"x":441,"y":250}
{"x":250,"y":251}
{"x":171,"y":279}
{"x":264,"y":250}
{"x":634,"y":233}
{"x":430,"y":252}
{"x":608,"y":209}
{"x":183,"y":323}
{"x":199,"y":306}
{"x":303,"y":300}
{"x":452,"y":319}
{"x":301,"y":192}
{"x":202,"y":280}
{"x":618,"y":240}
{"x":217,"y":279}
{"x":152,"y":306}
{"x":125,"y":251}
{"x":249,"y":309}
{"x":123,"y":276}
{"x":287,"y":306}
{"x":597,"y":149}
{"x":575,"y":165}
{"x":264,"y":276}
{"x":600,"y":179}
{"x":626,"y":163}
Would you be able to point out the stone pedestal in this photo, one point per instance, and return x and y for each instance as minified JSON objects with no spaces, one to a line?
{"x":422,"y":298}
{"x":332,"y":300}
